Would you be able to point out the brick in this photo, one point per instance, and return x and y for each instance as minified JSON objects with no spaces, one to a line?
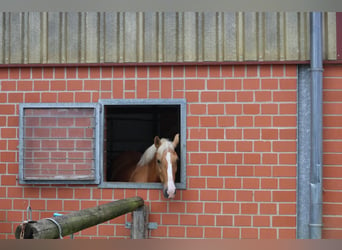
{"x":32,"y":97}
{"x":208,"y":195}
{"x":233,"y":109}
{"x":242,"y":220}
{"x":284,"y":171}
{"x":263,"y":121}
{"x":54,"y":205}
{"x":197,"y":84}
{"x":170,"y":219}
{"x":288,"y":183}
{"x":209,"y":96}
{"x":288,"y":108}
{"x":262,"y":196}
{"x":252,"y":70}
{"x":212,"y":232}
{"x":233,"y":183}
{"x":233,"y":84}
{"x":285,"y":121}
{"x":25,"y":85}
{"x":215,"y":84}
{"x":231,"y":233}
{"x":208,"y":170}
{"x":129,"y":72}
{"x":269,"y":108}
{"x":244,"y":195}
{"x":239,"y":70}
{"x":251,"y":84}
{"x":71,"y":205}
{"x":332,"y":96}
{"x":234,"y":158}
{"x":216,"y":158}
{"x":284,"y":196}
{"x":212,"y":208}
{"x":177,"y":207}
{"x":268,"y":208}
{"x":197,"y":182}
{"x":208,"y":121}
{"x":249,"y":233}
{"x":194,"y":207}
{"x":284,"y":96}
{"x":269,"y":183}
{"x":245,"y":96}
{"x":262,"y":146}
{"x":48,"y":193}
{"x":194,"y":232}
{"x":57,"y":85}
{"x":225,"y":146}
{"x":287,"y":209}
{"x":268,"y":233}
{"x":249,"y":208}
{"x":244,"y":121}
{"x":251,"y":109}
{"x":284,"y":221}
{"x":263,"y":96}
{"x":166,"y":71}
{"x":16,"y":97}
{"x":226,"y":195}
{"x":251,"y":158}
{"x":215,"y":109}
{"x":244,"y":170}
{"x":206,"y":220}
{"x":269,"y":84}
{"x":191,"y":71}
{"x":216,"y":133}
{"x":83,"y":193}
{"x":198,"y":109}
{"x":224,"y":220}
{"x":277,"y":70}
{"x":287,"y":233}
{"x":286,"y":134}
{"x":214,"y":183}
{"x":178,"y":232}
{"x":215,"y":71}
{"x":225,"y":96}
{"x":244,"y":146}
{"x":190,"y":195}
{"x":226,"y":170}
{"x":251,"y":183}
{"x":198,"y":158}
{"x":202,"y":71}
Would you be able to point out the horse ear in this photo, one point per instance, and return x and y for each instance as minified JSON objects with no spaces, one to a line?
{"x":175,"y":140}
{"x":156,"y":141}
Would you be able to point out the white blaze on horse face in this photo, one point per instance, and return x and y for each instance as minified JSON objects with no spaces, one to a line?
{"x":171,"y":189}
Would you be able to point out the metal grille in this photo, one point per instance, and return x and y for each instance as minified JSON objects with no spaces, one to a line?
{"x":58,"y":144}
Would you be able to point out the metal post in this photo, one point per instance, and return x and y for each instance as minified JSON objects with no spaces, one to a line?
{"x":303,"y":150}
{"x":316,"y":126}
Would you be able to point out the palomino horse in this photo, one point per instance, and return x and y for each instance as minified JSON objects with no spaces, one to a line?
{"x":157,"y":164}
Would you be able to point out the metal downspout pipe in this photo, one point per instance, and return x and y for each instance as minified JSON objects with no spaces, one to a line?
{"x":316,"y":50}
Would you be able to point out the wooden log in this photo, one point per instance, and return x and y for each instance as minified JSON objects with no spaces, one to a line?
{"x":79,"y":220}
{"x":139,"y":228}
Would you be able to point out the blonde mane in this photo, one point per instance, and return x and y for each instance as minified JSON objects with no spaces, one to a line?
{"x":150,"y":152}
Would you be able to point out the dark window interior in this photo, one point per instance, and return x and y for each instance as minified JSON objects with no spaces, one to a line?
{"x":133,"y":128}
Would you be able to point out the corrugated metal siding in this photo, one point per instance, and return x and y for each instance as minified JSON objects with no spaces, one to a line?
{"x":149,"y":37}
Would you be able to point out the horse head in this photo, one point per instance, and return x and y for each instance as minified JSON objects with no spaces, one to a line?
{"x":166,"y":164}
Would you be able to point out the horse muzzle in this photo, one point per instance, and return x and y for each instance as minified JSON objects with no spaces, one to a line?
{"x":169,"y":194}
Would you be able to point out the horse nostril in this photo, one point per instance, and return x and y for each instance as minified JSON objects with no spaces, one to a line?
{"x":165,"y":193}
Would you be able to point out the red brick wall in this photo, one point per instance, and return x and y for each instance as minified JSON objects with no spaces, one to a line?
{"x":241,"y":149}
{"x":332,"y":152}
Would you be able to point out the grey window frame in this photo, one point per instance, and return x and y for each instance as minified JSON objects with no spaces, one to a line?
{"x":182,"y":143}
{"x":95,"y":106}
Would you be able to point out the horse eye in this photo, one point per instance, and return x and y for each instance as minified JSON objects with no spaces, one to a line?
{"x":158,"y":161}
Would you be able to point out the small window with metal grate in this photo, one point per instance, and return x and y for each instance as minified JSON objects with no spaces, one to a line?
{"x":58,"y":143}
{"x":129,"y":128}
